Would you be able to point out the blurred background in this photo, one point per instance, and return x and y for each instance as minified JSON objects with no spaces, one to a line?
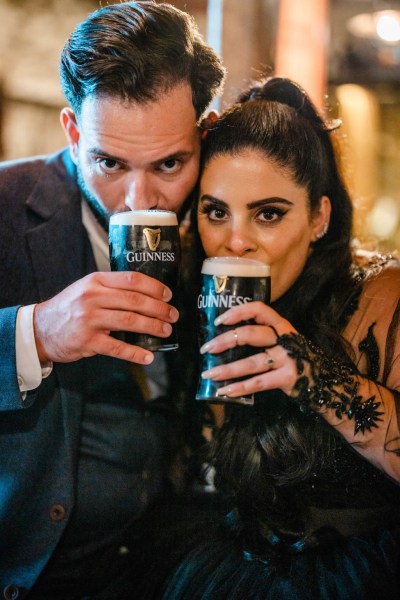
{"x":346,"y":53}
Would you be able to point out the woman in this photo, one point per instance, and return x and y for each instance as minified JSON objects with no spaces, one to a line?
{"x":312,"y":470}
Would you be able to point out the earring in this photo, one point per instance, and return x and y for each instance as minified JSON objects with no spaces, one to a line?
{"x":323,"y":232}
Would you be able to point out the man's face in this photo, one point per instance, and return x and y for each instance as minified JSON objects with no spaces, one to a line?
{"x":134,"y":156}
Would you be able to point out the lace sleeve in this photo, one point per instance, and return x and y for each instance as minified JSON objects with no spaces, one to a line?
{"x":361,"y":403}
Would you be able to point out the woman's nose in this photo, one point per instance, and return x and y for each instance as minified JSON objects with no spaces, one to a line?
{"x":240,"y":242}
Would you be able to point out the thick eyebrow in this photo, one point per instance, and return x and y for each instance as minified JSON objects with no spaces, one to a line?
{"x":272,"y":200}
{"x":210,"y":198}
{"x":174,"y":156}
{"x":180,"y":154}
{"x":99,"y":152}
{"x":250,"y":205}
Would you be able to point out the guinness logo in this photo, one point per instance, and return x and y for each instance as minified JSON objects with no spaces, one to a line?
{"x":220,"y":282}
{"x":152,"y":237}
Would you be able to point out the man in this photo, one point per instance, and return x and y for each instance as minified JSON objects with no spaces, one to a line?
{"x":82,"y":452}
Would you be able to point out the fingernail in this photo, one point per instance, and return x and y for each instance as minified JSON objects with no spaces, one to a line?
{"x":207,"y":347}
{"x":211,"y":373}
{"x":148,"y":359}
{"x":173,"y":314}
{"x":167,"y":294}
{"x":224,"y":391}
{"x":220,"y":319}
{"x":167,"y":328}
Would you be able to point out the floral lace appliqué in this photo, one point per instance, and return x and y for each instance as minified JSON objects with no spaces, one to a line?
{"x":330,"y":383}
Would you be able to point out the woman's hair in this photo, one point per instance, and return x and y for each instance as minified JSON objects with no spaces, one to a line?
{"x":276,"y":118}
{"x":258,"y":454}
{"x":137,"y":51}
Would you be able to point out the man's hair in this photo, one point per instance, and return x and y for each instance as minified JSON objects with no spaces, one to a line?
{"x":136,"y":51}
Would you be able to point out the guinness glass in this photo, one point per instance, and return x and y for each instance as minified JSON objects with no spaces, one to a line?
{"x":227,"y":282}
{"x":147,"y":241}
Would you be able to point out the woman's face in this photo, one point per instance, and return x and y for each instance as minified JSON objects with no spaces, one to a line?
{"x":252,"y":208}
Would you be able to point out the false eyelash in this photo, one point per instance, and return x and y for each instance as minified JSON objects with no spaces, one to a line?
{"x":272,"y":209}
{"x":209,"y":207}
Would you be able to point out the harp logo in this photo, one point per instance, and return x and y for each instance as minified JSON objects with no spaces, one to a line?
{"x":220,"y":282}
{"x":153,"y":237}
{"x":149,"y":250}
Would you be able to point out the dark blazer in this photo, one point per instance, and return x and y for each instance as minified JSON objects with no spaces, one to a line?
{"x":43,"y":248}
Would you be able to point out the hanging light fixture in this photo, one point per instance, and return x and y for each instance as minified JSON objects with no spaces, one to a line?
{"x":382,"y":25}
{"x":388,"y":25}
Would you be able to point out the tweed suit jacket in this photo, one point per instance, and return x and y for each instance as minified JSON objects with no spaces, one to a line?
{"x":43,"y":248}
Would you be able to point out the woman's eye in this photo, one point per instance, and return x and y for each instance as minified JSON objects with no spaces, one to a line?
{"x":219,"y":213}
{"x":270,"y":214}
{"x":212,"y":212}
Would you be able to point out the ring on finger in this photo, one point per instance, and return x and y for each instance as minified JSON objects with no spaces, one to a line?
{"x":268,"y":360}
{"x":235,"y":335}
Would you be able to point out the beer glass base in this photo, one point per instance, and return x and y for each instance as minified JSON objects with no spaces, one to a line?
{"x":149,"y":342}
{"x":164,"y":348}
{"x":247,"y":400}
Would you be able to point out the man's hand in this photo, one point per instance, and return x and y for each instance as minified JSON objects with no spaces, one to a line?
{"x":77,"y":322}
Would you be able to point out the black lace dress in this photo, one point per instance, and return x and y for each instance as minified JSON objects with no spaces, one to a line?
{"x":350,"y":550}
{"x":334,"y":534}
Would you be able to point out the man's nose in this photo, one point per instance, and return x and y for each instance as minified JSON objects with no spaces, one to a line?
{"x":140,"y":194}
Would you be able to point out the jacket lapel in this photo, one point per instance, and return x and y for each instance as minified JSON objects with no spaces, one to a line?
{"x":58,"y":243}
{"x":60,"y":252}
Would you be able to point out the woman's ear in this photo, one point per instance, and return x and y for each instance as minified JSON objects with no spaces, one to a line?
{"x":321,"y":218}
{"x":70,"y":126}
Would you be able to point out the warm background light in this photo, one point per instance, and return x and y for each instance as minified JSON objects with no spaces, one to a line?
{"x":302,"y":42}
{"x":388,"y":26}
{"x":360,"y":128}
{"x":383,"y":24}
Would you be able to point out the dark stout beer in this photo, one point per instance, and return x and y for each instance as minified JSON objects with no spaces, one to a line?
{"x":227,"y":282}
{"x":147,"y":241}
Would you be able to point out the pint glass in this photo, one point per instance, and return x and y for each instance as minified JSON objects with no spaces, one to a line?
{"x":147,"y":241}
{"x":227,"y":282}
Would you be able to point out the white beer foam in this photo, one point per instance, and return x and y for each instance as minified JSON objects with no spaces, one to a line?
{"x":144,"y":217}
{"x":235,"y":267}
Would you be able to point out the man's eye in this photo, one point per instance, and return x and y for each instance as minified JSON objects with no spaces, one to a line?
{"x":108,"y":165}
{"x":170,"y":166}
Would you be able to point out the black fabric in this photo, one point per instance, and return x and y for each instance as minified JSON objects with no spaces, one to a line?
{"x":136,"y":566}
{"x":349,"y":548}
{"x":362,"y":568}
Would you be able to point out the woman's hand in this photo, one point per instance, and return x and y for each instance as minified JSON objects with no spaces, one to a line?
{"x":270,"y":368}
{"x":362,"y":411}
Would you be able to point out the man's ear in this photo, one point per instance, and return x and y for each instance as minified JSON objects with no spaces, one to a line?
{"x":321,"y":218}
{"x":70,"y":126}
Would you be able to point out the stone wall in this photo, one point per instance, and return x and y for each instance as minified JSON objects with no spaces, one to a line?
{"x":32,"y":33}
